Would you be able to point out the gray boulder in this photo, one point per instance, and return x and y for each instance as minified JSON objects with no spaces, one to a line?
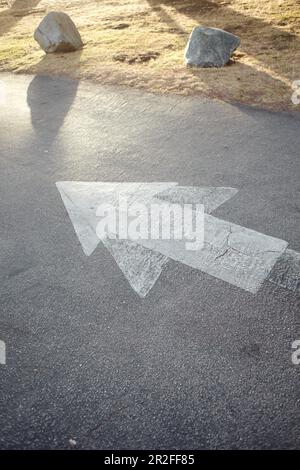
{"x":58,"y":33}
{"x":210,"y":47}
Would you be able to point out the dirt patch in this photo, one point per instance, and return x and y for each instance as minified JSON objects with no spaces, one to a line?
{"x":140,"y":43}
{"x":137,"y":58}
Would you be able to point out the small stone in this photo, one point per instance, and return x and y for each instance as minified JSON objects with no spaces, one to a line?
{"x":58,"y":33}
{"x":210,"y":47}
{"x":72,"y":442}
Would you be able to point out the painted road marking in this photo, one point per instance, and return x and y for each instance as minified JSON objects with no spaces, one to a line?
{"x":235,"y":254}
{"x":141,"y":266}
{"x":82,"y":199}
{"x":286,"y":272}
{"x":232,"y":253}
{"x":210,"y":197}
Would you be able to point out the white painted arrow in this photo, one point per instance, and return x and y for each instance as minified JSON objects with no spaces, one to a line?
{"x":235,"y":254}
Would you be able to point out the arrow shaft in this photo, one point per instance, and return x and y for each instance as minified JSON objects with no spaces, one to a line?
{"x":233,"y":253}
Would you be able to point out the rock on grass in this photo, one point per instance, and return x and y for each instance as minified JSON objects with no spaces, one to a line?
{"x":58,"y":33}
{"x":210,"y":47}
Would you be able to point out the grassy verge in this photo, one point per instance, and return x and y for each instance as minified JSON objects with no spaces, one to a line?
{"x":140,"y":43}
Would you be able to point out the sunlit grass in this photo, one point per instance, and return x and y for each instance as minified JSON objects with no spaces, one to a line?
{"x":262,"y":73}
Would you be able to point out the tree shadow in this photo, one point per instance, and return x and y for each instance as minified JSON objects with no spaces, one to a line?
{"x":174,"y":26}
{"x":241,"y":83}
{"x":11,"y":16}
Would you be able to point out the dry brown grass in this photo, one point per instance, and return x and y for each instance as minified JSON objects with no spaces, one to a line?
{"x":140,"y":43}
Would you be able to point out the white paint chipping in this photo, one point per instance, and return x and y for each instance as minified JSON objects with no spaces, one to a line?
{"x":235,"y":254}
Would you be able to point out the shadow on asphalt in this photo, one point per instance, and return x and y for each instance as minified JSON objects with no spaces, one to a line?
{"x":49,"y":101}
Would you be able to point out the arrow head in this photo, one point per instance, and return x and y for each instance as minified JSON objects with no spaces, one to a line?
{"x":141,"y":266}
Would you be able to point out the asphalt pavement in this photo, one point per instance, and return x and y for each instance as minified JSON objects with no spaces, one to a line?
{"x":198,"y":362}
